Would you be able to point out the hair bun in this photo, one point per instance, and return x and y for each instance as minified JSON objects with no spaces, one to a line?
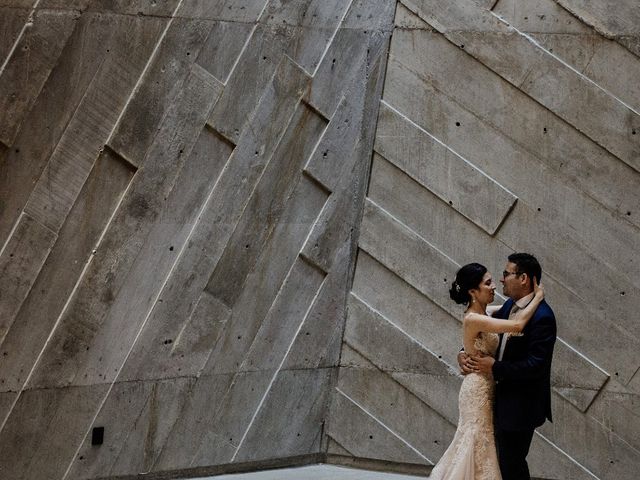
{"x":457,"y":294}
{"x":468,"y":277}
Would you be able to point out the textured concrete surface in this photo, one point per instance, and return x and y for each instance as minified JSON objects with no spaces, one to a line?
{"x":227,"y":228}
{"x":180,"y":188}
{"x":504,"y":126}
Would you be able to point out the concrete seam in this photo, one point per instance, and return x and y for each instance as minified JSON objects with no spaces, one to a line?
{"x":377,"y":420}
{"x":106,"y":396}
{"x":333,"y":36}
{"x":62,"y":312}
{"x":246,"y":42}
{"x":530,"y":151}
{"x":447,"y":147}
{"x":573,"y":460}
{"x":598,"y":29}
{"x":411,"y":232}
{"x":565,"y":64}
{"x":339,"y":444}
{"x":27,"y":23}
{"x":13,"y":230}
{"x":144,"y":71}
{"x":273,"y":378}
{"x":397,"y":327}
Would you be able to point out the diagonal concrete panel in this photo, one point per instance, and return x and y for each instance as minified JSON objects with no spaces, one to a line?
{"x":511,"y":128}
{"x":538,"y":73}
{"x":72,"y":250}
{"x":13,"y":22}
{"x":159,"y":351}
{"x":64,"y":358}
{"x":267,"y":202}
{"x":617,"y":20}
{"x":367,"y":437}
{"x":607,"y":63}
{"x":85,"y":135}
{"x":440,"y":169}
{"x":24,"y":73}
{"x":302,"y":393}
{"x":203,"y":351}
{"x":247,"y":392}
{"x":21,"y":260}
{"x":93,"y":39}
{"x":416,"y":423}
{"x":162,"y":79}
{"x":44,"y":446}
{"x":383,"y":342}
{"x":354,"y":46}
{"x":257,"y":298}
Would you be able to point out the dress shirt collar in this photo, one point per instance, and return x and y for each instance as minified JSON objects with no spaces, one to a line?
{"x":524,"y":301}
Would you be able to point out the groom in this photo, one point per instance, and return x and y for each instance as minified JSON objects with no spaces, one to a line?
{"x":521,"y":369}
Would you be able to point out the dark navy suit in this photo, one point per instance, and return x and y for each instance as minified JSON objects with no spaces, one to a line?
{"x":523,"y":389}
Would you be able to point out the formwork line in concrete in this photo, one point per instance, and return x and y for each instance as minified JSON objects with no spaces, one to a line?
{"x":440,"y":142}
{"x":333,"y":36}
{"x":273,"y":378}
{"x":574,"y":461}
{"x":565,"y":64}
{"x":64,"y":308}
{"x":152,"y":57}
{"x":27,"y":23}
{"x":377,"y":420}
{"x":246,"y":42}
{"x":149,"y":313}
{"x":399,"y":328}
{"x":411,"y":231}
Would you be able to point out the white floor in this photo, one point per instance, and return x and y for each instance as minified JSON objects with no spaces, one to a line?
{"x":314,"y":472}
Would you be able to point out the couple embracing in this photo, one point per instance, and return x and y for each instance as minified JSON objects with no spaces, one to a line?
{"x":506,"y":361}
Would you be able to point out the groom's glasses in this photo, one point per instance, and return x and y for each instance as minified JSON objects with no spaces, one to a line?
{"x":505,"y":273}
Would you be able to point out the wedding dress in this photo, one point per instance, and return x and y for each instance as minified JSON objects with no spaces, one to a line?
{"x":472,"y":453}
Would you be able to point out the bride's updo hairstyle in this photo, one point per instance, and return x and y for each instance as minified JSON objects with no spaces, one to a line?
{"x":468,"y":277}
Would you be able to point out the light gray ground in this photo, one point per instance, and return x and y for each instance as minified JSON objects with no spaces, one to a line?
{"x":314,"y":472}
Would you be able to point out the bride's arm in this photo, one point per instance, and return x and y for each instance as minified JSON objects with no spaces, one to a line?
{"x":485,"y":323}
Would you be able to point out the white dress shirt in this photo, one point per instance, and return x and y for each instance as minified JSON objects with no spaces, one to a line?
{"x":519,"y":305}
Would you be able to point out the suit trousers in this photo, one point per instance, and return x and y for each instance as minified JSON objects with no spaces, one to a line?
{"x":513,"y":447}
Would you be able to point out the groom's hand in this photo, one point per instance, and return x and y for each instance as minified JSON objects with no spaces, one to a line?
{"x":482,"y":364}
{"x":464,"y":361}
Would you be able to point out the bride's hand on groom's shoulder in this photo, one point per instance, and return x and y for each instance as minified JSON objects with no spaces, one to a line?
{"x":538,"y":289}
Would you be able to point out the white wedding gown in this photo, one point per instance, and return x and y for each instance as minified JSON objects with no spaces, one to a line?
{"x":472,"y":453}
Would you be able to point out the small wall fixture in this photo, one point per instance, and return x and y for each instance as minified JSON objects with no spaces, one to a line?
{"x":97,"y":435}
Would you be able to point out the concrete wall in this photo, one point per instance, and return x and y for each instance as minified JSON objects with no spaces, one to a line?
{"x":180,"y":188}
{"x":504,"y":126}
{"x":186,"y":187}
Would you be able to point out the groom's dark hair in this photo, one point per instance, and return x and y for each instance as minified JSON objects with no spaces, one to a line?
{"x":528,"y":264}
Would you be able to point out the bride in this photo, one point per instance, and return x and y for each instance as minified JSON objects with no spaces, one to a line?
{"x":472,"y":453}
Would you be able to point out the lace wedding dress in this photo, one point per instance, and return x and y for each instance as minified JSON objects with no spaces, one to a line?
{"x":472,"y":453}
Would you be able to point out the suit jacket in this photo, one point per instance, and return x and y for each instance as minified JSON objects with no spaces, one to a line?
{"x":523,"y":383}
